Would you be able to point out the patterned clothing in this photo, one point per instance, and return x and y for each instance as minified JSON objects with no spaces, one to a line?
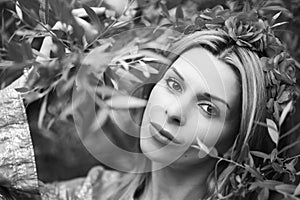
{"x":17,"y":163}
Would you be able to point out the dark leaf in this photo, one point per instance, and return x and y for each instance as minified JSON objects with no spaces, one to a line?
{"x":179,"y":13}
{"x":254,"y":172}
{"x":189,"y":29}
{"x":164,"y":9}
{"x":44,"y":11}
{"x":22,"y":90}
{"x":277,"y":167}
{"x":94,"y":18}
{"x":270,"y":184}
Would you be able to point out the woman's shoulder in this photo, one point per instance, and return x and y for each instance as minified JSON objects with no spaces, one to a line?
{"x":100,"y":183}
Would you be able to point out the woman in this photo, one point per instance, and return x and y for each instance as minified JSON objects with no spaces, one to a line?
{"x":204,"y":94}
{"x":211,"y":97}
{"x":198,"y":97}
{"x":207,"y":104}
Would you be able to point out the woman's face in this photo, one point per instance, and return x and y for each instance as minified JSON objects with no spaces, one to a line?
{"x":199,"y":96}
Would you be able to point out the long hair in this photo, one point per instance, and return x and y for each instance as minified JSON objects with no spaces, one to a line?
{"x":247,"y":66}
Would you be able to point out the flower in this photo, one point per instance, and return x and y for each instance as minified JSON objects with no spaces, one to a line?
{"x":282,"y":67}
{"x":286,"y":66}
{"x":247,"y":30}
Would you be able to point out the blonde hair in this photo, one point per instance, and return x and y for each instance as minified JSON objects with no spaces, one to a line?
{"x":247,"y":65}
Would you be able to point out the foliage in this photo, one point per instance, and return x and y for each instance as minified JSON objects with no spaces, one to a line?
{"x":105,"y":56}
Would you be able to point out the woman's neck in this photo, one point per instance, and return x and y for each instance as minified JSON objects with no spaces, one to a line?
{"x":178,"y":183}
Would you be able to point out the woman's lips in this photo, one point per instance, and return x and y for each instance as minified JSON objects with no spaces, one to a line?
{"x":163,"y":133}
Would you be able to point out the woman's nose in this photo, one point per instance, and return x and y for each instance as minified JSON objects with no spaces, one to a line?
{"x":175,"y":114}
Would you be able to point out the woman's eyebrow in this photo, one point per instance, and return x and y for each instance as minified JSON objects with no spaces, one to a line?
{"x":177,"y":73}
{"x":210,"y":96}
{"x":206,"y":95}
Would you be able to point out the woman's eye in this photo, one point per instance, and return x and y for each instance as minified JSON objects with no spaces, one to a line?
{"x":173,"y":84}
{"x":209,"y":109}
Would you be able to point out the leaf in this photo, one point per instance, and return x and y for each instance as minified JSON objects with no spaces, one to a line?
{"x":124,"y":64}
{"x":260,"y":154}
{"x":276,"y":15}
{"x":205,"y":17}
{"x":150,"y":69}
{"x":297,"y":190}
{"x":291,"y":166}
{"x":251,"y":161}
{"x":19,"y":10}
{"x":287,"y":188}
{"x":42,"y":112}
{"x":270,"y":184}
{"x":254,"y":172}
{"x":213,"y":152}
{"x":123,"y":74}
{"x":144,"y":68}
{"x":204,"y":150}
{"x":149,"y":59}
{"x":44,"y":11}
{"x":273,"y":155}
{"x":273,"y":131}
{"x":22,"y":89}
{"x":277,"y":167}
{"x":279,"y":24}
{"x":164,"y":9}
{"x":125,"y":102}
{"x":100,"y":119}
{"x":160,"y":58}
{"x":94,"y":18}
{"x":105,"y":91}
{"x":81,"y":12}
{"x":202,"y":146}
{"x":275,"y":8}
{"x":133,"y":56}
{"x":179,"y":13}
{"x":98,"y":59}
{"x":285,"y":111}
{"x":264,"y":194}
